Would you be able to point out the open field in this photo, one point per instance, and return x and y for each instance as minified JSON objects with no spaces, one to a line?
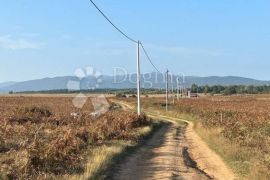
{"x":53,"y":95}
{"x":39,"y":139}
{"x":236,"y":127}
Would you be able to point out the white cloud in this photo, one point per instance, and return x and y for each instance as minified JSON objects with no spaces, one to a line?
{"x":8,"y":42}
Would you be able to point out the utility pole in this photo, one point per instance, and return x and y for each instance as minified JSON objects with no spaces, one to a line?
{"x":172,"y":88}
{"x":138,"y":80}
{"x":177,"y":87}
{"x":167,"y":84}
{"x":181,"y":91}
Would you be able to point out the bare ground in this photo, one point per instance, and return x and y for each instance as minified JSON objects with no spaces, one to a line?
{"x":206,"y":159}
{"x":163,"y":156}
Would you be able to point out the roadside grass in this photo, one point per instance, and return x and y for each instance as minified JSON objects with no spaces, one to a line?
{"x":109,"y":171}
{"x":101,"y":159}
{"x":3,"y":176}
{"x":244,"y":161}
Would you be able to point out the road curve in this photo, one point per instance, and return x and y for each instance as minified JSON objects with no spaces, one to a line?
{"x":163,"y":156}
{"x":169,"y":155}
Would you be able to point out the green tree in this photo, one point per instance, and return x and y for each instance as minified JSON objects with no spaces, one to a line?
{"x":206,"y":89}
{"x":194,"y":88}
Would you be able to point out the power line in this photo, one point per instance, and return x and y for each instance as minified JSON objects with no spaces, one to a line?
{"x":128,"y":37}
{"x":149,"y":59}
{"x":119,"y":30}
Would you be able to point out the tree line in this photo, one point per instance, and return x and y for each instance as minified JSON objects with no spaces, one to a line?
{"x":129,"y":91}
{"x":229,"y":90}
{"x":215,"y":89}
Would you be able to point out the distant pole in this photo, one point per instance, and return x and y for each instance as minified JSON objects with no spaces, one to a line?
{"x":167,"y":86}
{"x":172,"y":88}
{"x":184,"y":93}
{"x":177,"y":84}
{"x":181,"y":91}
{"x":138,"y":80}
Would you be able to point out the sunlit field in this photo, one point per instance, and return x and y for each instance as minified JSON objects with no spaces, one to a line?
{"x":41,"y":138}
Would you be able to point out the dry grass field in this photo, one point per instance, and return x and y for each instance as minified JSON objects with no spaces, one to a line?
{"x":236,"y":127}
{"x":39,"y":139}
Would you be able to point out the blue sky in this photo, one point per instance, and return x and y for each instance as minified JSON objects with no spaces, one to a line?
{"x":199,"y":37}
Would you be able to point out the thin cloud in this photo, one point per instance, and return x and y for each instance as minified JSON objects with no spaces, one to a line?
{"x":7,"y":42}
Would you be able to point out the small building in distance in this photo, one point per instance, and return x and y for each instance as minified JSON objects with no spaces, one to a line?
{"x":191,"y":95}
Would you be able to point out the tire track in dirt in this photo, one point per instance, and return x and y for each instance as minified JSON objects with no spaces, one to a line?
{"x":163,"y":156}
{"x":206,"y":158}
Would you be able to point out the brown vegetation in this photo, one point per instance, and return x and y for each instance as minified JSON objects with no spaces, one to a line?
{"x":40,"y":139}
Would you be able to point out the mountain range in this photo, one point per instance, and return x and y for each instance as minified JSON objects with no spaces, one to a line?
{"x":150,"y":80}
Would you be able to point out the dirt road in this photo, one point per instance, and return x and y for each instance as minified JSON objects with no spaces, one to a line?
{"x":163,"y":156}
{"x":170,"y":154}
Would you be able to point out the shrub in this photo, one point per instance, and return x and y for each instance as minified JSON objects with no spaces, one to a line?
{"x":120,"y":95}
{"x":116,"y":125}
{"x":51,"y":144}
{"x":133,"y":96}
{"x":32,"y":114}
{"x":60,"y":155}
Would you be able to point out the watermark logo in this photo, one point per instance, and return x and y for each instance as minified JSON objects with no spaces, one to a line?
{"x":88,"y":79}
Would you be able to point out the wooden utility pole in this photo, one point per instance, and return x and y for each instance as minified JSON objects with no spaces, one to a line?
{"x":177,"y":87}
{"x":138,"y":80}
{"x":172,"y":88}
{"x":167,"y":86}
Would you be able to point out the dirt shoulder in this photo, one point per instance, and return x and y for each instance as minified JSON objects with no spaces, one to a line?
{"x":206,"y":159}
